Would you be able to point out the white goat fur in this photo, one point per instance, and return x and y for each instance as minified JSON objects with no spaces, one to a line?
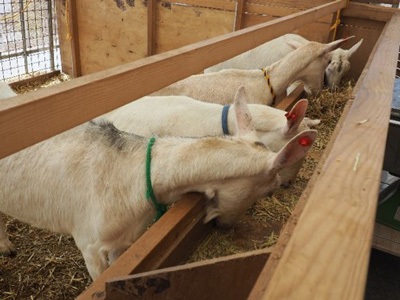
{"x":272,"y":51}
{"x":184,"y":116}
{"x":89,"y":182}
{"x":6,"y":91}
{"x":220,"y":87}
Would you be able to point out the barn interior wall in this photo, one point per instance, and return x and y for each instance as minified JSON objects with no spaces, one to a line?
{"x":115,"y":32}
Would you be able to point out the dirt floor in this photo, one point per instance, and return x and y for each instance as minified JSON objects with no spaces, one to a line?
{"x":49,"y":266}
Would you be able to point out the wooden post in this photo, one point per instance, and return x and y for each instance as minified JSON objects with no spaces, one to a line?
{"x":75,"y":48}
{"x":239,"y":14}
{"x":151,"y":27}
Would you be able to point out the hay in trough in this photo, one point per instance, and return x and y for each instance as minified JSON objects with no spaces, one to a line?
{"x":49,"y":266}
{"x":263,"y":221}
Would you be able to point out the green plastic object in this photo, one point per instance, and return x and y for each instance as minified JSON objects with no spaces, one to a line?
{"x":389,"y":212}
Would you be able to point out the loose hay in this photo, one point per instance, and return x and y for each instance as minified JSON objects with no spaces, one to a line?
{"x":41,"y":83}
{"x":49,"y":266}
{"x":271,"y":213}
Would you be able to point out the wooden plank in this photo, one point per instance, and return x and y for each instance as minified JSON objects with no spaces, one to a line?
{"x":317,"y":31}
{"x":386,"y":239}
{"x":369,"y":36}
{"x":362,"y":23}
{"x":182,"y":25}
{"x":275,"y":11}
{"x":251,"y":20}
{"x":272,"y":10}
{"x":111,"y":33}
{"x":240,"y":7}
{"x":24,"y":120}
{"x":288,"y":102}
{"x":213,"y":4}
{"x":75,"y":44}
{"x":378,"y":1}
{"x":230,"y":277}
{"x":158,"y":246}
{"x":369,"y":12}
{"x":151,"y":27}
{"x":303,"y":4}
{"x":332,"y":262}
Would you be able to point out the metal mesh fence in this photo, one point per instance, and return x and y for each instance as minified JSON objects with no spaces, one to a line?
{"x":29,"y":44}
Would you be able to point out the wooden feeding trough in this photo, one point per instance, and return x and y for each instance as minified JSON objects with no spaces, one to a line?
{"x":323,"y":250}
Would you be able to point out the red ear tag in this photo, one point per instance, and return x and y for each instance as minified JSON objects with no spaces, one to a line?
{"x":305,"y":142}
{"x":290,"y":115}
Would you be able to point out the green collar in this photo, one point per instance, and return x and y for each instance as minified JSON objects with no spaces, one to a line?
{"x":161,"y":208}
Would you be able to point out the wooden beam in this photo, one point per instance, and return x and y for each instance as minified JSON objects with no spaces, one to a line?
{"x":214,"y":4}
{"x":378,"y":1}
{"x":239,"y":14}
{"x":151,"y":27}
{"x":24,"y":120}
{"x":169,"y":241}
{"x":327,"y":255}
{"x":75,"y":48}
{"x":230,"y":277}
{"x":369,"y":12}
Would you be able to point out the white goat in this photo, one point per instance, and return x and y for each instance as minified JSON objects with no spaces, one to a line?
{"x":6,"y":91}
{"x":303,"y":64}
{"x":186,"y":117}
{"x":272,"y":51}
{"x":90,"y":182}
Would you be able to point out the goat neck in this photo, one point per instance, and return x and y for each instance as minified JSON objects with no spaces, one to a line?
{"x":195,"y":165}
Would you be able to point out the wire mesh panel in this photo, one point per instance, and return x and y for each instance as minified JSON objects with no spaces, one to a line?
{"x":29,"y":44}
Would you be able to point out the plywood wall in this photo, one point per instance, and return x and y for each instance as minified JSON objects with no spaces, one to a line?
{"x":112,"y":32}
{"x":369,"y":31}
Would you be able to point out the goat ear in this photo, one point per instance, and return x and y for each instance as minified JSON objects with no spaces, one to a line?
{"x":295,"y":149}
{"x":244,"y":121}
{"x":336,"y":44}
{"x":353,"y":49}
{"x":296,"y":115}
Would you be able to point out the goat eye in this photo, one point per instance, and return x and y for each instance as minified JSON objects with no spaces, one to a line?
{"x":329,"y":61}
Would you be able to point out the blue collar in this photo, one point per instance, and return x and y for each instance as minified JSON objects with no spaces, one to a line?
{"x":224,"y":119}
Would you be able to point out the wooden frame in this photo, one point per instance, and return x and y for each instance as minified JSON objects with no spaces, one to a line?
{"x":219,"y":279}
{"x":80,"y":100}
{"x":151,"y":27}
{"x":24,"y":121}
